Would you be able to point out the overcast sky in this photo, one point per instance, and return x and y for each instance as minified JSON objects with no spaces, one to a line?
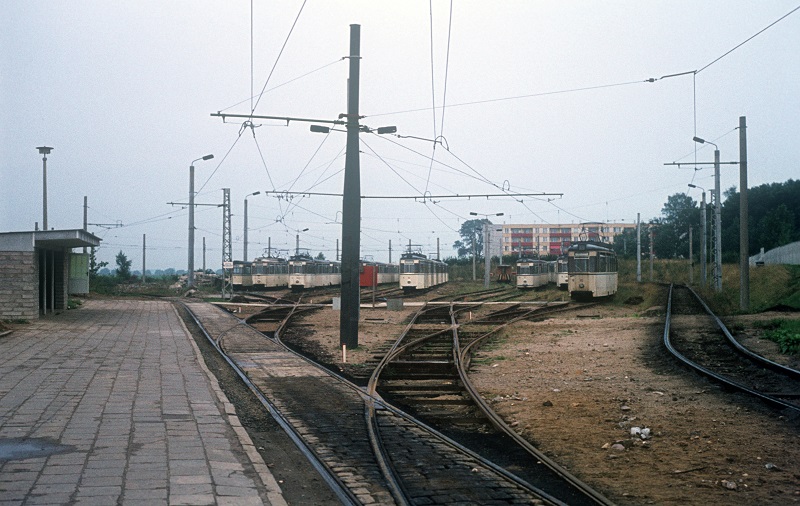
{"x":539,"y":97}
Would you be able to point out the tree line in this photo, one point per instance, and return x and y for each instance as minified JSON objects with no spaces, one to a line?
{"x":774,"y":220}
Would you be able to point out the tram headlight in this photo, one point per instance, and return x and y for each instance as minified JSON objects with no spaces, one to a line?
{"x":581,"y":285}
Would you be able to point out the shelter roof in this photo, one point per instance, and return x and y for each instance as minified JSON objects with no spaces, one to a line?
{"x":47,"y":239}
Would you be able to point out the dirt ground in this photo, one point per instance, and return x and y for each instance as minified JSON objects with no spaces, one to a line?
{"x":579,"y":384}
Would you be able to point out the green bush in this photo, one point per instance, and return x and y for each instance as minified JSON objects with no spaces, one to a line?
{"x":784,"y":332}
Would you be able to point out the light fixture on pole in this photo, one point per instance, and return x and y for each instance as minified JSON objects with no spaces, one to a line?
{"x":717,"y":217}
{"x":44,"y":151}
{"x":244,"y":252}
{"x":486,"y":254}
{"x":703,"y":246}
{"x":190,"y":278}
{"x":297,"y":242}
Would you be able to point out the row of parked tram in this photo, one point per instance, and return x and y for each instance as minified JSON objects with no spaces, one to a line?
{"x":300,"y":272}
{"x":589,"y":269}
{"x":418,"y":272}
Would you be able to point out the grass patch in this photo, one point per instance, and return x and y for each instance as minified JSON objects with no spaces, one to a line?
{"x":784,"y":332}
{"x":770,"y":285}
{"x":480,"y":360}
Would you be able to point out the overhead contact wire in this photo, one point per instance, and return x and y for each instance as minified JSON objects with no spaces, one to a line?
{"x":750,"y":38}
{"x":285,"y":42}
{"x":433,"y":93}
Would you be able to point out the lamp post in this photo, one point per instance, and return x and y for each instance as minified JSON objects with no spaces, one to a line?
{"x":486,"y":256}
{"x":44,"y":151}
{"x":717,"y":218}
{"x":703,"y":245}
{"x":190,"y":279}
{"x":297,"y":242}
{"x":244,"y":252}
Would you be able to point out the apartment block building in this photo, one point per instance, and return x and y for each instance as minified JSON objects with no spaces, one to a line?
{"x":555,"y":238}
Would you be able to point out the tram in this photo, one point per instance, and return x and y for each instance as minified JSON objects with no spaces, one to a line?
{"x":592,"y":270}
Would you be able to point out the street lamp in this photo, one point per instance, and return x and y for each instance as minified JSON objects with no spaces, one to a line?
{"x":704,"y":232}
{"x":44,"y":151}
{"x":297,"y":242}
{"x":190,"y":279}
{"x":244,"y":255}
{"x":486,"y":257}
{"x":717,"y":217}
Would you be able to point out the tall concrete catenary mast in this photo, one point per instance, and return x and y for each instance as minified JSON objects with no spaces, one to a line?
{"x":351,"y":204}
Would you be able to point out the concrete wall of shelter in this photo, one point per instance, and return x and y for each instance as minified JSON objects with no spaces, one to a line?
{"x":19,"y":285}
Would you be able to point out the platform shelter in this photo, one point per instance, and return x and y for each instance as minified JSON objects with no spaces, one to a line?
{"x":38,"y":271}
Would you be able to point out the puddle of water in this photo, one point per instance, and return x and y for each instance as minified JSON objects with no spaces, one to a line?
{"x":21,"y":449}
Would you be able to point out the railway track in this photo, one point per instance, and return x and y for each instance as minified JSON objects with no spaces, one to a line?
{"x":260,"y":297}
{"x":478,"y":296}
{"x":713,"y":351}
{"x":382,"y":292}
{"x":425,"y":372}
{"x":367,"y":451}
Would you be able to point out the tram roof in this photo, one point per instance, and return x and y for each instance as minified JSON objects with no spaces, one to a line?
{"x":530,"y":260}
{"x":590,"y":246}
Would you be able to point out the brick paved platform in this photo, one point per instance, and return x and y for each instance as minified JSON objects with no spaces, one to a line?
{"x":111,"y":404}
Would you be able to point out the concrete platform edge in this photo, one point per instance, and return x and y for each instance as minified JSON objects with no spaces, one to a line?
{"x":273,"y":490}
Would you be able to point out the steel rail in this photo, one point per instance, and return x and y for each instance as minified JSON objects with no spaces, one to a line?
{"x":708,"y":372}
{"x":400,"y":494}
{"x":388,"y":471}
{"x":372,"y":398}
{"x":547,"y":498}
{"x":336,"y":485}
{"x":763,"y":361}
{"x":396,"y":350}
{"x":461,"y":356}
